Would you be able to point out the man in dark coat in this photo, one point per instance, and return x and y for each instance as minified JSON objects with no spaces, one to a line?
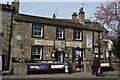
{"x":96,"y":65}
{"x":80,"y":62}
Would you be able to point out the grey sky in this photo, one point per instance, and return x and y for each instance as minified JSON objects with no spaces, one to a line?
{"x":64,"y":9}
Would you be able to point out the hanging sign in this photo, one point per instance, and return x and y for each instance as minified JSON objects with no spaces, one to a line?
{"x":89,"y":41}
{"x":59,"y":44}
{"x":105,"y":36}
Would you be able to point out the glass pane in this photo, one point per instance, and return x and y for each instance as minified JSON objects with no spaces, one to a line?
{"x":39,"y":28}
{"x":34,"y":28}
{"x":39,"y":33}
{"x":34,"y":33}
{"x":59,"y":33}
{"x":78,"y":36}
{"x":36,"y":56}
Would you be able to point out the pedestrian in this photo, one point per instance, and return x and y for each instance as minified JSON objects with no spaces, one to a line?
{"x":96,"y":65}
{"x":80,"y":62}
{"x":67,"y":66}
{"x":91,"y":63}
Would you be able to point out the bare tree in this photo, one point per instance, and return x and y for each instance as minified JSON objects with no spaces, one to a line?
{"x":109,"y":16}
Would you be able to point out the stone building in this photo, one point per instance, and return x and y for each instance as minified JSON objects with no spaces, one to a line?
{"x":5,"y":34}
{"x":49,"y":39}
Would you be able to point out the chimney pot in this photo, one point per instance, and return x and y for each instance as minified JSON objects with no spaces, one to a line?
{"x":54,"y":16}
{"x":15,"y":5}
{"x":74,"y":16}
{"x":81,"y":15}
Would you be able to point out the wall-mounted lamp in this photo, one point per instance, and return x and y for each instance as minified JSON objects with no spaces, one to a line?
{"x":53,"y":55}
{"x":66,"y":55}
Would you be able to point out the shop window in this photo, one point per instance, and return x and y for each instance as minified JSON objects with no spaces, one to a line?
{"x":37,"y":30}
{"x":60,"y":33}
{"x":95,"y":49}
{"x":37,"y":52}
{"x":77,"y":35}
{"x":77,"y":53}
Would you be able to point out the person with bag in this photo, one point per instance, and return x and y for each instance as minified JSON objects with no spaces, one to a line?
{"x":80,"y":60}
{"x":96,"y":65}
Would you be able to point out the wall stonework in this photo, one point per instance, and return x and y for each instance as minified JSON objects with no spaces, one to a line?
{"x":23,"y":46}
{"x":20,"y":69}
{"x":6,"y":22}
{"x":95,"y":38}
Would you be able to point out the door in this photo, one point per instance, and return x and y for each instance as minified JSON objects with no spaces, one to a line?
{"x":59,"y":56}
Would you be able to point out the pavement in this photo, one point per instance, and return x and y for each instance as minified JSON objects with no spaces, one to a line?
{"x":83,"y":74}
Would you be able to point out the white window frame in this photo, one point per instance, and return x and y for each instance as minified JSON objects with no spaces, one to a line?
{"x":79,"y":33}
{"x":37,"y":52}
{"x":95,"y":49}
{"x":60,"y":33}
{"x":100,"y":36}
{"x":38,"y":31}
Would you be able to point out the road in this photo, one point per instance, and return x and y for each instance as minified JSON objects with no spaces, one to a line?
{"x":109,"y":75}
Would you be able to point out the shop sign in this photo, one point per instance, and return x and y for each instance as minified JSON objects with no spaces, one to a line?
{"x":38,"y":67}
{"x":105,"y":64}
{"x":44,"y":42}
{"x":89,"y":41}
{"x":73,"y":44}
{"x":105,"y":36}
{"x":59,"y":44}
{"x":56,"y":66}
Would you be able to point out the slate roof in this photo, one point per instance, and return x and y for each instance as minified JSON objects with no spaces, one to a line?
{"x":57,"y":22}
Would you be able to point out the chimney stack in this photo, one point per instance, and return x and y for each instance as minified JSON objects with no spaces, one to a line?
{"x":15,"y":5}
{"x":74,"y":16}
{"x":54,"y":16}
{"x":81,"y":15}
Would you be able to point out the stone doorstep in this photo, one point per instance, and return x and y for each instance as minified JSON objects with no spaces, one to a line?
{"x":5,"y":72}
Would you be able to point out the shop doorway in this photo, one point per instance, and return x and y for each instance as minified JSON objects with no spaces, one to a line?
{"x":59,"y":56}
{"x":77,"y":53}
{"x":75,"y":58}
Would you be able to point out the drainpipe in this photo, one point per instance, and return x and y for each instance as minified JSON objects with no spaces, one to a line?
{"x":10,"y":37}
{"x":99,"y":45}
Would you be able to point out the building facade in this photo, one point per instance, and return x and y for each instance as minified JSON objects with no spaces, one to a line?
{"x":50,"y":40}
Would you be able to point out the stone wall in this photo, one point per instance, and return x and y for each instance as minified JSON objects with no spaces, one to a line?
{"x":6,"y":22}
{"x":20,"y":69}
{"x":116,"y":66}
{"x":21,"y":48}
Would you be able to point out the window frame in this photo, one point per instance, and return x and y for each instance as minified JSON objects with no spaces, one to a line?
{"x":63,"y":33}
{"x":81,"y":35}
{"x":42,"y":31}
{"x":40,"y":53}
{"x":95,"y":49}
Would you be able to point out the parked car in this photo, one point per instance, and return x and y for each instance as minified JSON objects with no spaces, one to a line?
{"x":106,"y":66}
